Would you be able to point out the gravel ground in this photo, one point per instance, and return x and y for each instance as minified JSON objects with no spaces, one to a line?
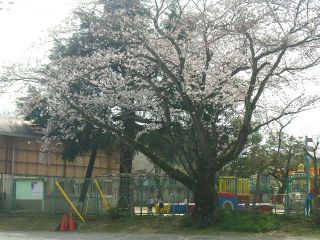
{"x":106,"y":236}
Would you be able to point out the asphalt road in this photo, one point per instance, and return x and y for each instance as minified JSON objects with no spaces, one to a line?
{"x":106,"y":236}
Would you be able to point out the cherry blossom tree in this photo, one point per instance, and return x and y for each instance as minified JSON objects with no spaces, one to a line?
{"x":200,"y":76}
{"x":277,"y":153}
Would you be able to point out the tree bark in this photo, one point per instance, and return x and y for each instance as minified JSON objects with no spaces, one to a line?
{"x":257,"y":191}
{"x":206,"y":203}
{"x":87,"y":179}
{"x":126,"y":156}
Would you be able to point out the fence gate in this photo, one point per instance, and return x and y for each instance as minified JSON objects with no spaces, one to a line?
{"x":297,"y":195}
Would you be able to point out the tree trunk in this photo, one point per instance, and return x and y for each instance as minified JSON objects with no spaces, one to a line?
{"x":126,"y":155}
{"x":206,"y":203}
{"x":283,"y":188}
{"x":257,"y":192}
{"x":64,"y":168}
{"x":87,"y":179}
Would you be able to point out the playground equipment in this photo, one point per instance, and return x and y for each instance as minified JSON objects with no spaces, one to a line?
{"x":175,"y":208}
{"x":232,"y":191}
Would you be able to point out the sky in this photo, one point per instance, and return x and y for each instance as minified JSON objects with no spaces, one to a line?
{"x":27,"y":22}
{"x":24,"y":30}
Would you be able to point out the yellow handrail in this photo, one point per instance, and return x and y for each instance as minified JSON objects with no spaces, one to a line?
{"x":69,"y":201}
{"x":103,"y":199}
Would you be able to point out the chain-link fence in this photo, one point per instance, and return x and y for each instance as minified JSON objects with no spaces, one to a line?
{"x":142,"y":194}
{"x":131,"y":193}
{"x":37,"y":194}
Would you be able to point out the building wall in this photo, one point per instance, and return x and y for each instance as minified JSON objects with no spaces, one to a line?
{"x":28,"y":160}
{"x":141,"y":165}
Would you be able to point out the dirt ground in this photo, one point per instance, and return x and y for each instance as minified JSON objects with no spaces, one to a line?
{"x":108,"y":236}
{"x":42,"y":227}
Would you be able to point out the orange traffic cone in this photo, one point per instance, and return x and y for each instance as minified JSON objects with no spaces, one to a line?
{"x":71,"y":223}
{"x":63,"y":224}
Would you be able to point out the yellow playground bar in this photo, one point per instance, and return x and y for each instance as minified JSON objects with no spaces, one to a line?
{"x":240,"y":186}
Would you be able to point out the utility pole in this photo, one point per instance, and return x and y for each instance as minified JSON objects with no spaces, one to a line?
{"x":307,"y":160}
{"x":307,"y":173}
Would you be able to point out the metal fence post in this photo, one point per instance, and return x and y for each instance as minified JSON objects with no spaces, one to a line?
{"x":97,"y":197}
{"x":53,"y":197}
{"x":13,"y":205}
{"x":287,"y":208}
{"x":141,"y":194}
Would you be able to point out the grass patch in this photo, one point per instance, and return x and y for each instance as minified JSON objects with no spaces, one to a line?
{"x":249,"y":221}
{"x":29,"y":222}
{"x":231,"y":222}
